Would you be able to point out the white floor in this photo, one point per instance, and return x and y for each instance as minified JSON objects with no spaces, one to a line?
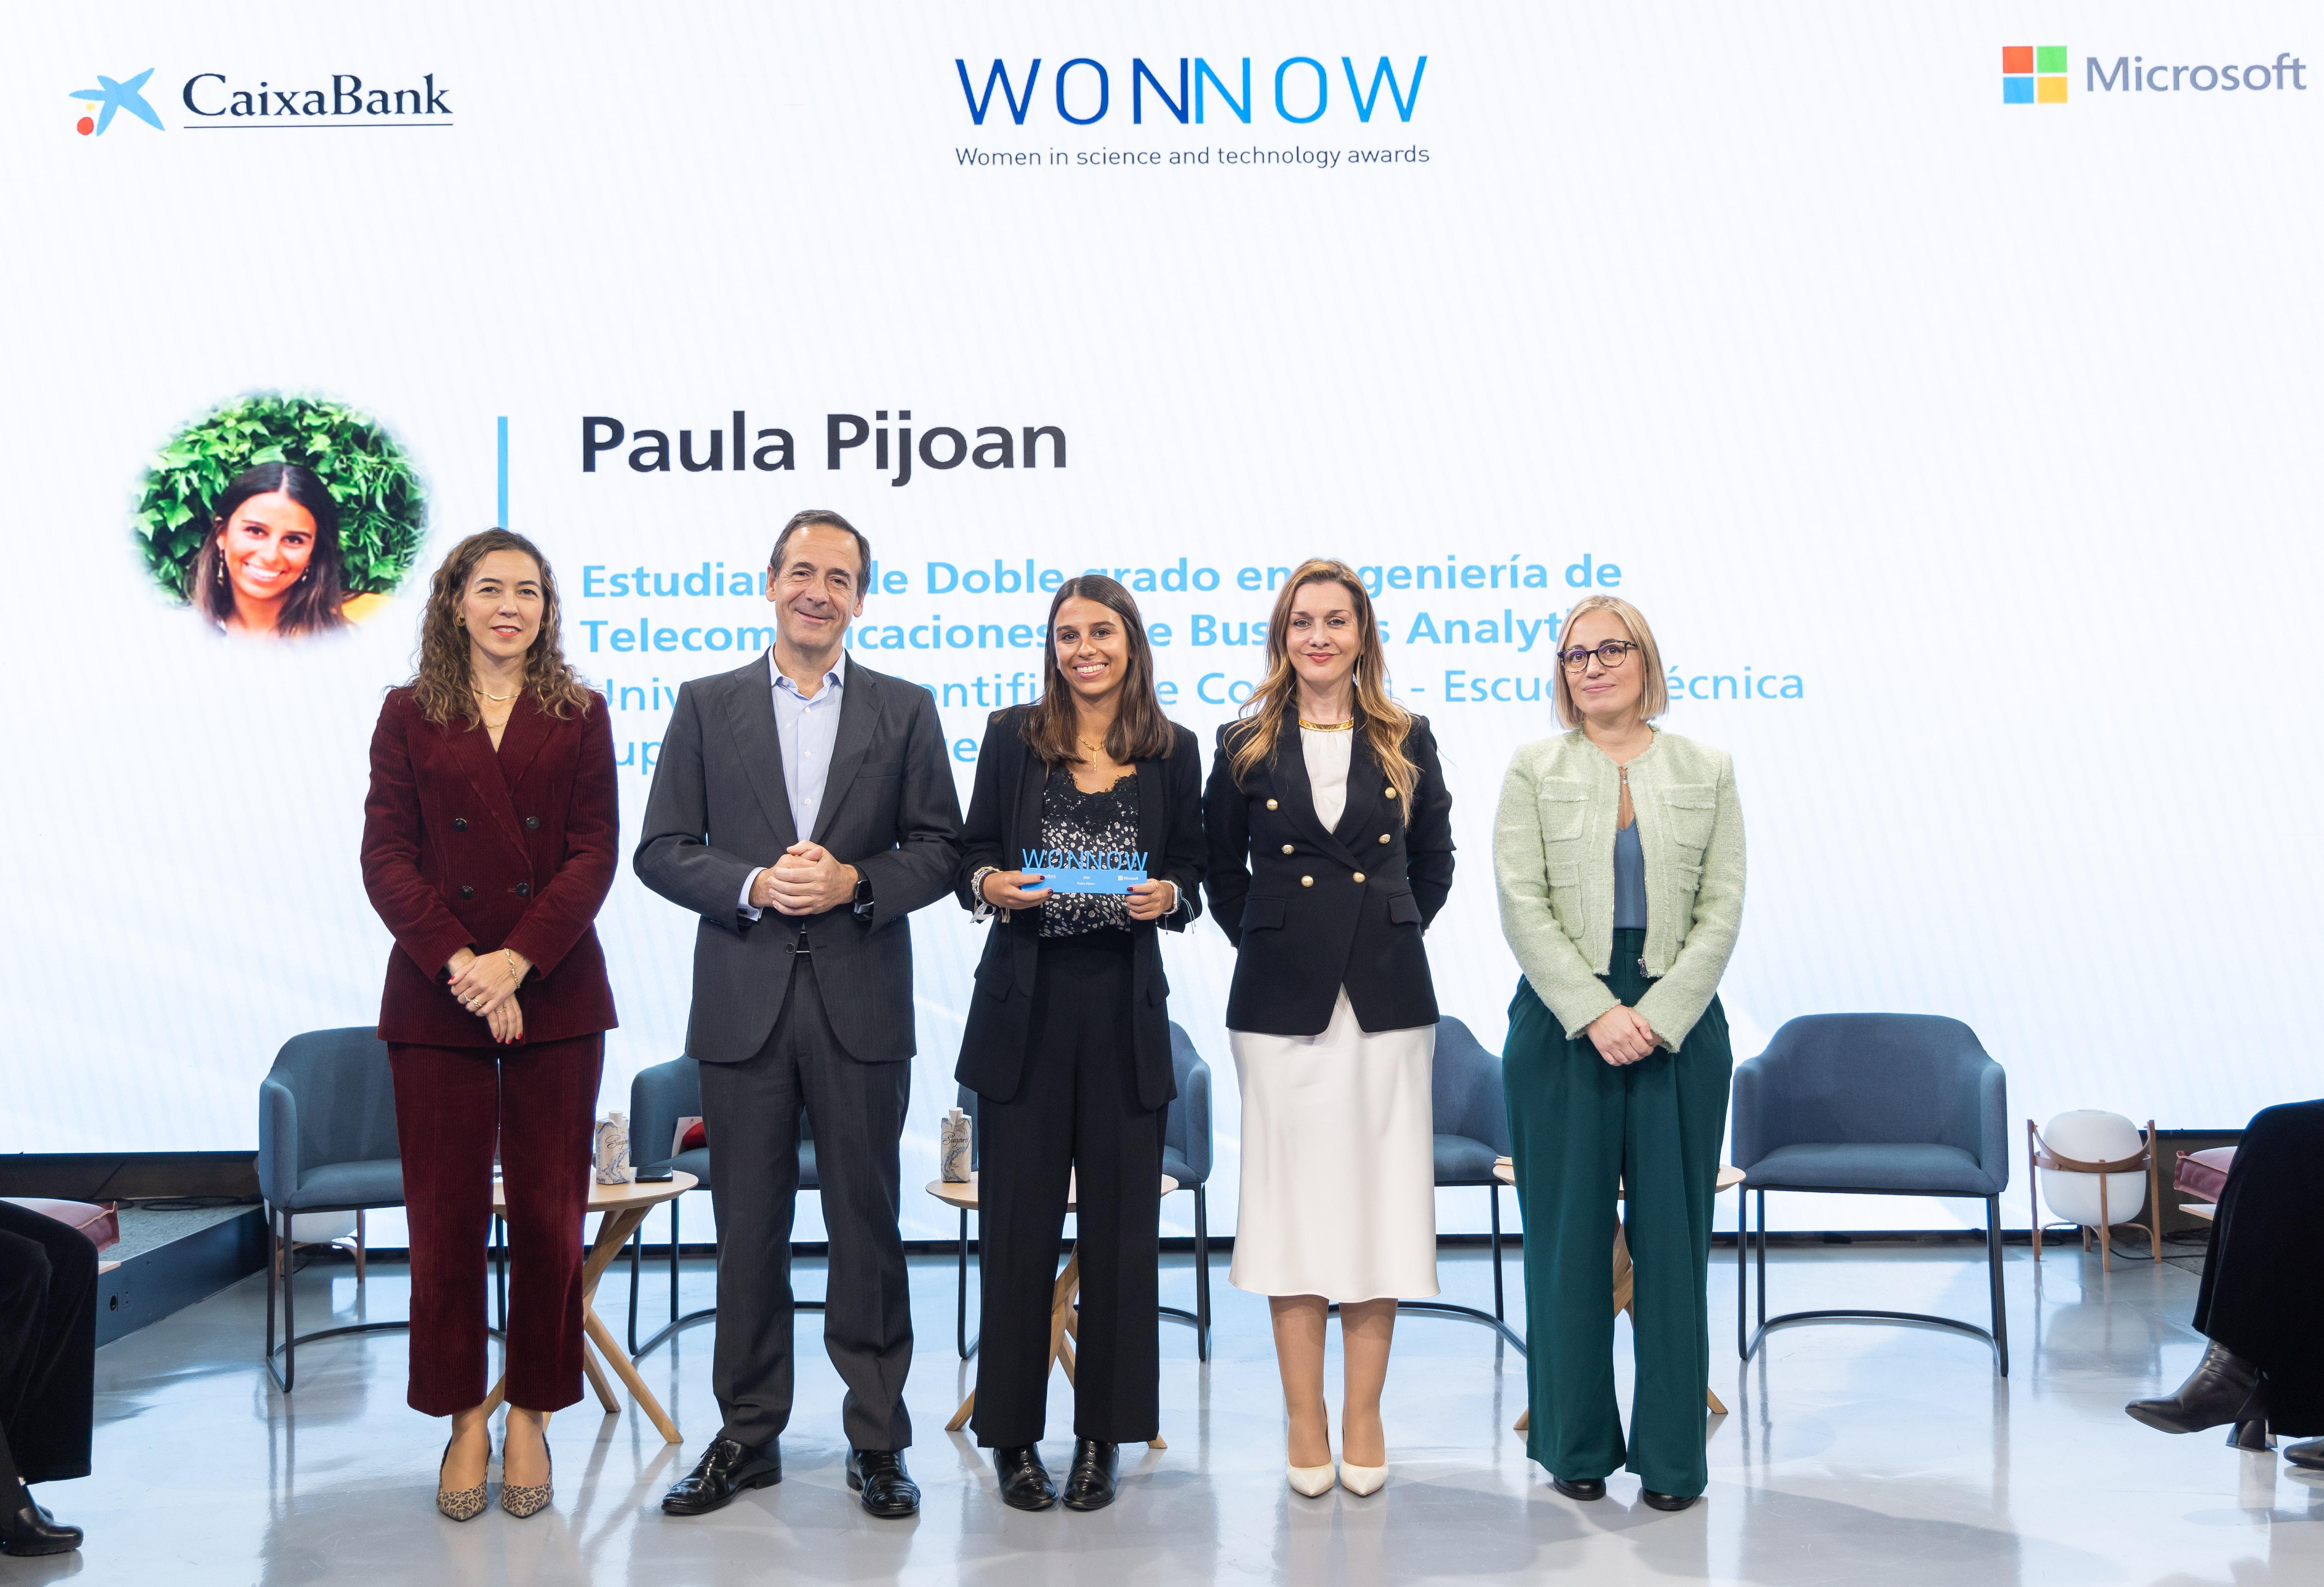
{"x":1853,"y":1455}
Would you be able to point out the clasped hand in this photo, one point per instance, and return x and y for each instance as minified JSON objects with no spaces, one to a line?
{"x":807,"y":881}
{"x":1023,"y":889}
{"x":1621,"y":1036}
{"x":484,"y":985}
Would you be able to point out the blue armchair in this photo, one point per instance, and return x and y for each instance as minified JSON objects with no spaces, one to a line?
{"x":1472,"y":1129}
{"x":325,"y":1144}
{"x":1187,"y":1150}
{"x":659,"y":1098}
{"x":1877,"y":1105}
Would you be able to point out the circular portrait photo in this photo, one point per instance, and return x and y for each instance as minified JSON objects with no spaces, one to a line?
{"x":278,"y":517}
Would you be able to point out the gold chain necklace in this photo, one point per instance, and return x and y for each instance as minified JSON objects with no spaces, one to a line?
{"x":496,"y":700}
{"x":1347,"y":726}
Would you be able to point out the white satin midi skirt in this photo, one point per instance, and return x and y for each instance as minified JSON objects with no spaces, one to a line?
{"x":1338,"y":1162}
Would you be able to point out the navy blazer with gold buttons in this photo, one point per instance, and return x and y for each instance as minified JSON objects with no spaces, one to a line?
{"x":466,"y":846}
{"x":1310,"y":910}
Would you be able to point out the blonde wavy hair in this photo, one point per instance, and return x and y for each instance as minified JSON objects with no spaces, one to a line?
{"x":443,"y":684}
{"x":1385,"y":724}
{"x":1654,"y":695}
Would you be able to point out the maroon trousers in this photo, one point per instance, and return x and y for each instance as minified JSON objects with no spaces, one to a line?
{"x":538,"y":1102}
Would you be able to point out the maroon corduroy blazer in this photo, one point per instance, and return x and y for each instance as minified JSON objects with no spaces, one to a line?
{"x":465,"y":846}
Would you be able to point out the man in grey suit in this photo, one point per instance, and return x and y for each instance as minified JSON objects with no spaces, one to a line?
{"x":802,"y":808}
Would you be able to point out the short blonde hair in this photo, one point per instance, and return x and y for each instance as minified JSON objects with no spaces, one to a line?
{"x":1654,"y":697}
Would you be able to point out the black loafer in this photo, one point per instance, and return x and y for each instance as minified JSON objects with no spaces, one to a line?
{"x":2223,"y":1388}
{"x":2308,"y":1455}
{"x":26,"y":1529}
{"x":726,"y":1469}
{"x":1090,"y":1484}
{"x":1668,"y":1502}
{"x":1024,"y":1481}
{"x":1581,"y":1488}
{"x":888,"y":1489}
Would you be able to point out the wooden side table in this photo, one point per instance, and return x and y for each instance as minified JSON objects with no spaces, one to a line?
{"x":1730,"y":1176}
{"x":1065,"y":1322}
{"x":624,"y":1207}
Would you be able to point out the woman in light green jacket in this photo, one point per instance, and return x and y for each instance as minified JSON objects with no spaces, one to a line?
{"x":1619,"y":852}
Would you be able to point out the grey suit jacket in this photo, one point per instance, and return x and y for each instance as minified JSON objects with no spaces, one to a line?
{"x":719,"y":810}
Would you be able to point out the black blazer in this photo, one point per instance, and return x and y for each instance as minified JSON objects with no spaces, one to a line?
{"x":1004,"y":820}
{"x":719,"y":810}
{"x":1310,"y":911}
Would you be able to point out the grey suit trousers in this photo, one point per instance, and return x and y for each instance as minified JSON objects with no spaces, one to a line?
{"x":751,"y":1113}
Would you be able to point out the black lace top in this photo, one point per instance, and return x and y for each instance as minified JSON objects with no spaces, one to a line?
{"x":1072,"y":819}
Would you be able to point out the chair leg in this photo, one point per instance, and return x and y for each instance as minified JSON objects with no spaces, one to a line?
{"x":673,"y":1256}
{"x":1202,"y":1276}
{"x":960,"y":1319}
{"x":1495,"y":1192}
{"x":637,"y":1249}
{"x":1992,"y":1264}
{"x":359,"y":1246}
{"x":290,"y":1319}
{"x":273,"y":1281}
{"x":1742,"y":1253}
{"x":500,"y":1268}
{"x":1761,"y":1258}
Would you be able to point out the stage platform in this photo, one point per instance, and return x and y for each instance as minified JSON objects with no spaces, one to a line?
{"x":1852,"y":1455}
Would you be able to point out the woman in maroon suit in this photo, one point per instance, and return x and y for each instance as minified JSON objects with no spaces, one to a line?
{"x":488,"y":845}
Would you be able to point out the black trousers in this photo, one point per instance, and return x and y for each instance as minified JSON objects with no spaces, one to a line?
{"x":47,"y":1345}
{"x":1075,"y":1115}
{"x":750,"y":1113}
{"x":2264,"y":1286}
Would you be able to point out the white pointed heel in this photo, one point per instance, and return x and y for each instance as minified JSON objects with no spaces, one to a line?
{"x":1313,"y":1481}
{"x":1362,"y":1480}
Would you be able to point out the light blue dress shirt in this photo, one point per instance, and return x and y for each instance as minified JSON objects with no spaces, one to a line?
{"x":806,"y":729}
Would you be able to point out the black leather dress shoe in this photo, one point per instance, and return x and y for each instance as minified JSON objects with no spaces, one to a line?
{"x":1090,"y":1484}
{"x":27,"y":1529}
{"x":1582,"y":1487}
{"x":888,"y":1489}
{"x":2308,"y":1455}
{"x":726,"y":1468}
{"x":1024,"y":1481}
{"x":1668,"y":1500}
{"x":2223,"y":1388}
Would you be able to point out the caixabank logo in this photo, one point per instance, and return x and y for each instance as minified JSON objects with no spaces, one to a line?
{"x":101,"y":104}
{"x":218,"y":101}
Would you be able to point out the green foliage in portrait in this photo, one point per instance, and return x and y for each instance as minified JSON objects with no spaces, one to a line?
{"x":382,"y":510}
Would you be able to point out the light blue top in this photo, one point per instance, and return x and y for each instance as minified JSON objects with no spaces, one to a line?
{"x":1629,"y":880}
{"x":806,"y":729}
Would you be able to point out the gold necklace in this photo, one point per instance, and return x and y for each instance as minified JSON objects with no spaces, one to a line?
{"x":1347,"y":726}
{"x":496,"y":700}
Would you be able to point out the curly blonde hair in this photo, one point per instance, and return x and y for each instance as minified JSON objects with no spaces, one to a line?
{"x":442,"y":684}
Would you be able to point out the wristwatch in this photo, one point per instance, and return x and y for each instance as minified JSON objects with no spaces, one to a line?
{"x":862,"y":894}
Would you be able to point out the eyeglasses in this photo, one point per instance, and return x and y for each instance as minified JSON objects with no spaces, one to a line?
{"x":1610,"y":655}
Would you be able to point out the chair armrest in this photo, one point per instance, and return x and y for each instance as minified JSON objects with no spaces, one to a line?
{"x":1751,"y":1138}
{"x":1993,"y":1123}
{"x":278,"y":1142}
{"x":656,"y":1102}
{"x":1198,"y":1122}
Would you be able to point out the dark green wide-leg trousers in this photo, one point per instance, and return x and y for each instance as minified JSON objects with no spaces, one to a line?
{"x":1581,"y":1126}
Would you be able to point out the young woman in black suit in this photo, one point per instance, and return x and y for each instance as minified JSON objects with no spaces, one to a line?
{"x":1331,"y":841}
{"x":1067,"y":1043}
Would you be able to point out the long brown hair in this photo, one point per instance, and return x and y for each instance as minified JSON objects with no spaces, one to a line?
{"x":1139,"y":731}
{"x":314,"y":602}
{"x":1383,"y":723}
{"x":443,"y":684}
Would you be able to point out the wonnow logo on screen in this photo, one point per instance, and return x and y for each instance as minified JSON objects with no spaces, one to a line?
{"x":1082,"y":90}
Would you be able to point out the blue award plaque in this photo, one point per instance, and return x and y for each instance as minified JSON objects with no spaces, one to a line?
{"x":1099,"y":871}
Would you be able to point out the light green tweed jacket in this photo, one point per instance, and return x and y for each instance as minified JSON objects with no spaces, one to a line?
{"x":1554,"y":858}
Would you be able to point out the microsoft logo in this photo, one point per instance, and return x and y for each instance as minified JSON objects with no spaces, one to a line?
{"x":2033,"y":74}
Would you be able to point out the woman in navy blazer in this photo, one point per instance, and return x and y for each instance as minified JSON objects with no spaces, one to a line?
{"x":489,"y":843}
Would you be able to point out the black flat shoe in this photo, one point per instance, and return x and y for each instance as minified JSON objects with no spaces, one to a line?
{"x":727,"y":1468}
{"x":2223,"y":1388}
{"x":1024,"y":1481}
{"x":2308,"y":1456}
{"x":1582,"y":1487}
{"x":888,"y":1489}
{"x":27,"y":1529}
{"x":1668,"y":1502}
{"x":1090,"y":1484}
